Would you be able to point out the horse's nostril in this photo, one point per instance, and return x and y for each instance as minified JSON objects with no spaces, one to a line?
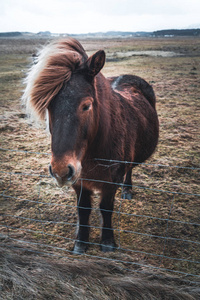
{"x":71,"y":172}
{"x":66,"y":175}
{"x":50,"y":171}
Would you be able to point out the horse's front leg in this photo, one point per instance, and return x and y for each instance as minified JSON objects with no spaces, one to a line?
{"x":84,"y":210}
{"x":106,"y":207}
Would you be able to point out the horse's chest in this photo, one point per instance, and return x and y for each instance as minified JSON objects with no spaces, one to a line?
{"x":102,"y":172}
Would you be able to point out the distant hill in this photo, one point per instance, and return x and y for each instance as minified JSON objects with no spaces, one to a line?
{"x":177,"y":32}
{"x":158,"y":33}
{"x":44,"y":33}
{"x":10,"y":34}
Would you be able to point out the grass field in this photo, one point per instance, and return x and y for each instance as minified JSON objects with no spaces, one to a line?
{"x":176,"y":81}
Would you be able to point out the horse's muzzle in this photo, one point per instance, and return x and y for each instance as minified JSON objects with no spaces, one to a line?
{"x":67,"y":175}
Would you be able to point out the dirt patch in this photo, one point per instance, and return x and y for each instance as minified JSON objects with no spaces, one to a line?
{"x":155,"y":53}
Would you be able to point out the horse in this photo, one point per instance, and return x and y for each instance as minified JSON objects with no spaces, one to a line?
{"x":93,"y":121}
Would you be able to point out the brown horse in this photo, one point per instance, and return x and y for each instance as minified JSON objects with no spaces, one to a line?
{"x":92,"y":118}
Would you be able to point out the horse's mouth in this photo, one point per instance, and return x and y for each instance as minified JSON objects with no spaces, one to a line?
{"x":68,"y":183}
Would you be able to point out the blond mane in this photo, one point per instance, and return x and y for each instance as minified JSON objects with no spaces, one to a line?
{"x":55,"y":64}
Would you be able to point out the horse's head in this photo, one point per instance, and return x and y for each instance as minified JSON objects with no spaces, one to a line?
{"x":62,"y":82}
{"x":73,"y":120}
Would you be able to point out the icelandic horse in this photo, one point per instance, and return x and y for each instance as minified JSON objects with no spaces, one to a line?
{"x":93,"y":121}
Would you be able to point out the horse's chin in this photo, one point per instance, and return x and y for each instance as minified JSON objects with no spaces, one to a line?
{"x":67,"y":183}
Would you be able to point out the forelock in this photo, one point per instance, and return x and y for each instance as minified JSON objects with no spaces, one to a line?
{"x":55,"y":64}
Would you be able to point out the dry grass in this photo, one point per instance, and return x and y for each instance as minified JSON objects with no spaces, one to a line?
{"x":176,"y":81}
{"x":27,"y":276}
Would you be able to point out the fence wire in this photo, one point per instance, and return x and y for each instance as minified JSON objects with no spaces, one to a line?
{"x":158,"y":229}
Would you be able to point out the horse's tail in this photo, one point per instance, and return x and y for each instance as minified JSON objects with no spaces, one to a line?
{"x":137,"y":82}
{"x":143,"y":86}
{"x":147,"y":91}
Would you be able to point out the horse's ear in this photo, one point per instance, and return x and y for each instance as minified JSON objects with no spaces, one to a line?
{"x":95,"y":63}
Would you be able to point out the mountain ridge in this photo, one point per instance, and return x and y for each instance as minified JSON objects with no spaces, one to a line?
{"x":161,"y":33}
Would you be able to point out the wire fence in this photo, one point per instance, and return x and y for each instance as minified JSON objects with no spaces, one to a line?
{"x":158,"y":229}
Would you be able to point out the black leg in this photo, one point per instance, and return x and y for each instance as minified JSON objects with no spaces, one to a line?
{"x":106,"y":207}
{"x":127,"y":189}
{"x":84,"y":210}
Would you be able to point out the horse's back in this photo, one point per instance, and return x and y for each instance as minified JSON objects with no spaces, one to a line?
{"x":121,"y":82}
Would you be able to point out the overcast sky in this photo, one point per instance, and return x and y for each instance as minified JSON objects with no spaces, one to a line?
{"x":74,"y":16}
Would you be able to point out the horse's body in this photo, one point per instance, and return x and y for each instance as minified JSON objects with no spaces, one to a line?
{"x":92,"y":120}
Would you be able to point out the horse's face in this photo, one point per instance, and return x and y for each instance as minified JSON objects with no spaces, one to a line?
{"x":73,"y":123}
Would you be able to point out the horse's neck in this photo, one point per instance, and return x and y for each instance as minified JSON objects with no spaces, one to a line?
{"x":107,"y":105}
{"x":105,"y":95}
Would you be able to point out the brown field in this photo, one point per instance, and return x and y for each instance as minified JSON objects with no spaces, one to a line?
{"x":35,"y":210}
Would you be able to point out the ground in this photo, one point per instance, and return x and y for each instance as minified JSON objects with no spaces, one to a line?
{"x":159,"y":226}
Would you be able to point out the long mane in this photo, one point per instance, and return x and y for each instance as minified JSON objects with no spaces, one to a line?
{"x":55,"y":64}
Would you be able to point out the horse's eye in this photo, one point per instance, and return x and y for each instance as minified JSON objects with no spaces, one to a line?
{"x":86,"y":107}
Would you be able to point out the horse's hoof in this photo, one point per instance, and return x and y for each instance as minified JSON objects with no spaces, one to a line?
{"x":127,"y":195}
{"x":80,"y":248}
{"x":108,"y":246}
